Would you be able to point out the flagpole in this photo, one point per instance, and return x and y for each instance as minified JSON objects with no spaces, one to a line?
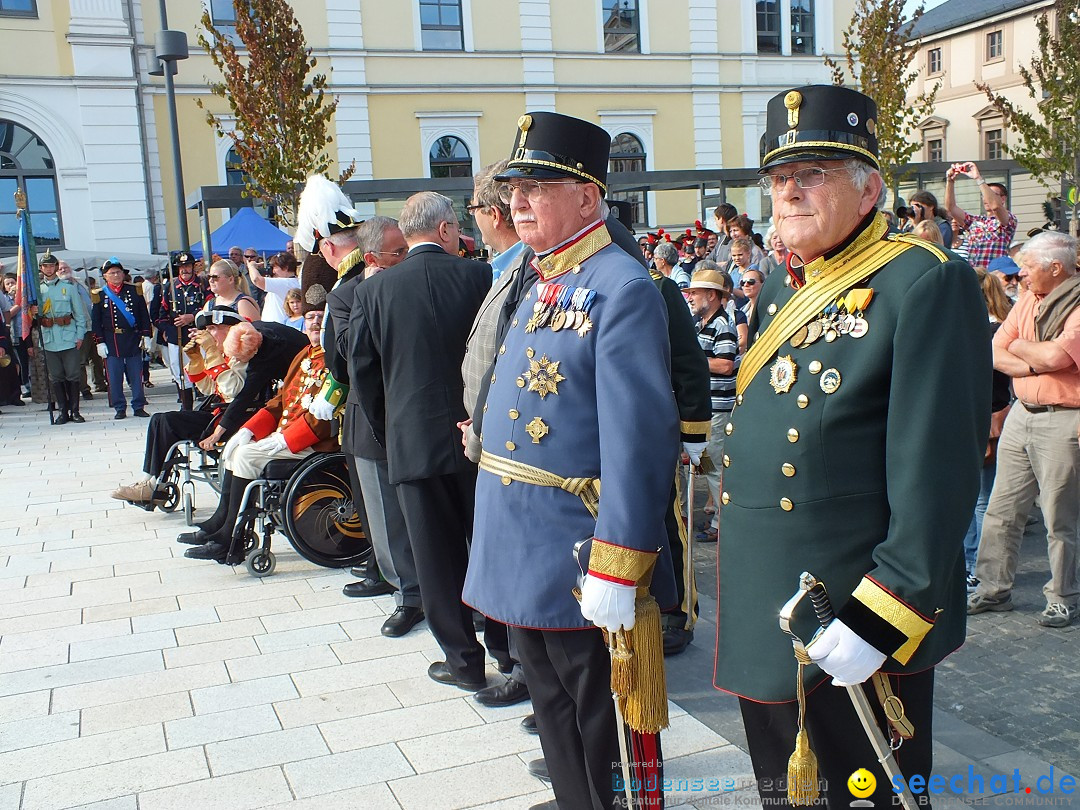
{"x":27,"y":297}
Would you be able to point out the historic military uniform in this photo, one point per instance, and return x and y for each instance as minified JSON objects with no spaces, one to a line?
{"x":177,"y":298}
{"x":853,"y":453}
{"x":62,"y":321}
{"x":569,"y":404}
{"x":690,"y":382}
{"x":120,"y":321}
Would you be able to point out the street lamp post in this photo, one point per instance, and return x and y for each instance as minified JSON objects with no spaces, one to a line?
{"x":169,"y":48}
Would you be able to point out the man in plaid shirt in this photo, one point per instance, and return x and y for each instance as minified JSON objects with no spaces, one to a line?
{"x":988,"y":236}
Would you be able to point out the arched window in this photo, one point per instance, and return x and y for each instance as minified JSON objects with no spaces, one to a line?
{"x":26,"y":163}
{"x":628,"y":155}
{"x":236,"y":176}
{"x":449,"y":157}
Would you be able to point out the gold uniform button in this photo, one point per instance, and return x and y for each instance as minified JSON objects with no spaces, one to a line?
{"x":493,"y":378}
{"x":485,"y":407}
{"x":803,"y":400}
{"x":513,"y":322}
{"x":514,"y":414}
{"x":727,"y":460}
{"x":728,"y":428}
{"x":792,"y":435}
{"x":786,"y":504}
{"x":506,"y":479}
{"x":815,"y":366}
{"x":520,"y":382}
{"x":725,"y":499}
{"x":788,"y":469}
{"x":511,"y":446}
{"x":738,"y":399}
{"x":772,"y":309}
{"x":502,"y":350}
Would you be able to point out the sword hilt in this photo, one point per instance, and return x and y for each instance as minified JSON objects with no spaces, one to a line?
{"x":819,"y":597}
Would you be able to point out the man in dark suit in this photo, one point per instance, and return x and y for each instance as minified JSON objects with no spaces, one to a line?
{"x":407,"y":331}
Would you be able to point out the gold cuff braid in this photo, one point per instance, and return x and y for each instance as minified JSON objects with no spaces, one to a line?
{"x":619,"y":562}
{"x":896,"y":613}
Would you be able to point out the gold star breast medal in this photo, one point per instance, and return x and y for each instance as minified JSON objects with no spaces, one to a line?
{"x":782,"y":374}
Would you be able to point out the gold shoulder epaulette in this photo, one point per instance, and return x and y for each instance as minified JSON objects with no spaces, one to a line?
{"x":656,"y":274}
{"x":95,"y":295}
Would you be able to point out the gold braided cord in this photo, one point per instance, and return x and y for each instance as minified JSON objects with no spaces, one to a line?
{"x":349,"y":262}
{"x":802,"y":145}
{"x":562,"y":167}
{"x":923,"y":243}
{"x":588,"y":489}
{"x":555,"y":264}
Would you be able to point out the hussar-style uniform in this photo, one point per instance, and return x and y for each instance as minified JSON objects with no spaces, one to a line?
{"x":174,"y":299}
{"x":853,"y":453}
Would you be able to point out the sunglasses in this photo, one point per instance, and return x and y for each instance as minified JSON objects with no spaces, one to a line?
{"x":250,"y":256}
{"x":212,"y":277}
{"x":749,"y":282}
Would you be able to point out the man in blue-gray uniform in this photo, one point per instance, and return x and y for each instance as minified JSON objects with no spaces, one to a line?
{"x":581,"y":390}
{"x":853,"y":453}
{"x":62,"y":322}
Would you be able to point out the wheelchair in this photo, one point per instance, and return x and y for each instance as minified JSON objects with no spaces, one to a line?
{"x":311,"y":501}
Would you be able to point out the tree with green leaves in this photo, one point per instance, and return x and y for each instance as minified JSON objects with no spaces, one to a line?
{"x":1049,"y":139}
{"x":281,"y":110}
{"x":879,"y":54}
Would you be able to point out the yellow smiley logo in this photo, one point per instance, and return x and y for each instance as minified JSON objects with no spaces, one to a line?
{"x":861,"y":783}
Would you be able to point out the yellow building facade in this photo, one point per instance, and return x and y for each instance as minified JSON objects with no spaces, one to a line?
{"x":424,"y":88}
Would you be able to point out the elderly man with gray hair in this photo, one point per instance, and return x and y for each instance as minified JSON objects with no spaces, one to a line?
{"x":407,"y":329}
{"x":1038,"y":345}
{"x":666,"y":259}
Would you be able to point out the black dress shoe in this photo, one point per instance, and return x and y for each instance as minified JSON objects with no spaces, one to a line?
{"x":120,"y":415}
{"x":87,"y":395}
{"x":401,"y":621}
{"x":505,"y":694}
{"x":441,"y":673}
{"x":676,"y":639}
{"x":209,"y":551}
{"x":539,"y":769}
{"x":368,"y":587}
{"x":77,"y":418}
{"x":196,"y":538}
{"x":364,"y":572}
{"x":528,"y":724}
{"x":142,"y":412}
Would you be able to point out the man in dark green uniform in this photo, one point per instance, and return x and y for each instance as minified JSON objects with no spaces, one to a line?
{"x":853,"y":453}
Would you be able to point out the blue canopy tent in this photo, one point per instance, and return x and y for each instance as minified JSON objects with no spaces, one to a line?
{"x":246,"y":229}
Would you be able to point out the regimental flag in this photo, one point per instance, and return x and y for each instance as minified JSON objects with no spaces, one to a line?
{"x":26,"y":289}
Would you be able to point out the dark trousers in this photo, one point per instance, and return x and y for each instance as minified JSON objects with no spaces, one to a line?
{"x":678,"y":545}
{"x":838,"y":740}
{"x":438,"y":514}
{"x":131,"y":367}
{"x":24,"y":359}
{"x":63,"y":366}
{"x":166,"y":429}
{"x":570,"y":684}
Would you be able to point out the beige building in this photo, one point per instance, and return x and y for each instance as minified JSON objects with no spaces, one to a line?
{"x":964,"y":42}
{"x":425,"y":88}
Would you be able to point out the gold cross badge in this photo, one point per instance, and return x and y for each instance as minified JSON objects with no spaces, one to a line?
{"x":537,"y":429}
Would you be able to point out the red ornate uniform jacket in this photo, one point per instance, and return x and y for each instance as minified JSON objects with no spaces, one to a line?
{"x":287,"y":411}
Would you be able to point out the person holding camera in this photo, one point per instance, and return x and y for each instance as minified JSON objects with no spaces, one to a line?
{"x":988,"y":236}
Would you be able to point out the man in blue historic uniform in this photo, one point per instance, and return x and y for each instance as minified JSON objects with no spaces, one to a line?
{"x":581,"y":391}
{"x":853,"y":453}
{"x":122,"y":325}
{"x":174,"y":311}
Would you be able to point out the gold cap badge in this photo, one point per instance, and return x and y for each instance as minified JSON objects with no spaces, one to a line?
{"x":793,"y":100}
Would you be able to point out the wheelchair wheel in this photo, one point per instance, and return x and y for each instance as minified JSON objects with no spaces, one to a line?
{"x":245,"y":535}
{"x":261,"y":563}
{"x":324,"y":520}
{"x":189,"y":509}
{"x":172,"y":498}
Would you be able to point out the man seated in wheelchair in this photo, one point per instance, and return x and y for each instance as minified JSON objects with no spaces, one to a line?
{"x":283,"y":429}
{"x":232,"y":359}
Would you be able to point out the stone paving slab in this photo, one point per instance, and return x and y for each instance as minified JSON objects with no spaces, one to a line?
{"x":133,"y":678}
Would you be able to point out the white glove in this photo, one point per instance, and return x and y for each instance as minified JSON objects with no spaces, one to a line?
{"x":146,"y":345}
{"x":608,"y":604}
{"x":102,"y":351}
{"x":274,"y":443}
{"x":844,"y":655}
{"x":239,"y":439}
{"x":321,"y":409}
{"x":694,"y":450}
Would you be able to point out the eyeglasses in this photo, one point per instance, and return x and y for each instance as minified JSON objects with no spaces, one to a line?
{"x":531,"y":190}
{"x":748,"y":282}
{"x":397,"y":253}
{"x":472,"y":209}
{"x":804,"y":178}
